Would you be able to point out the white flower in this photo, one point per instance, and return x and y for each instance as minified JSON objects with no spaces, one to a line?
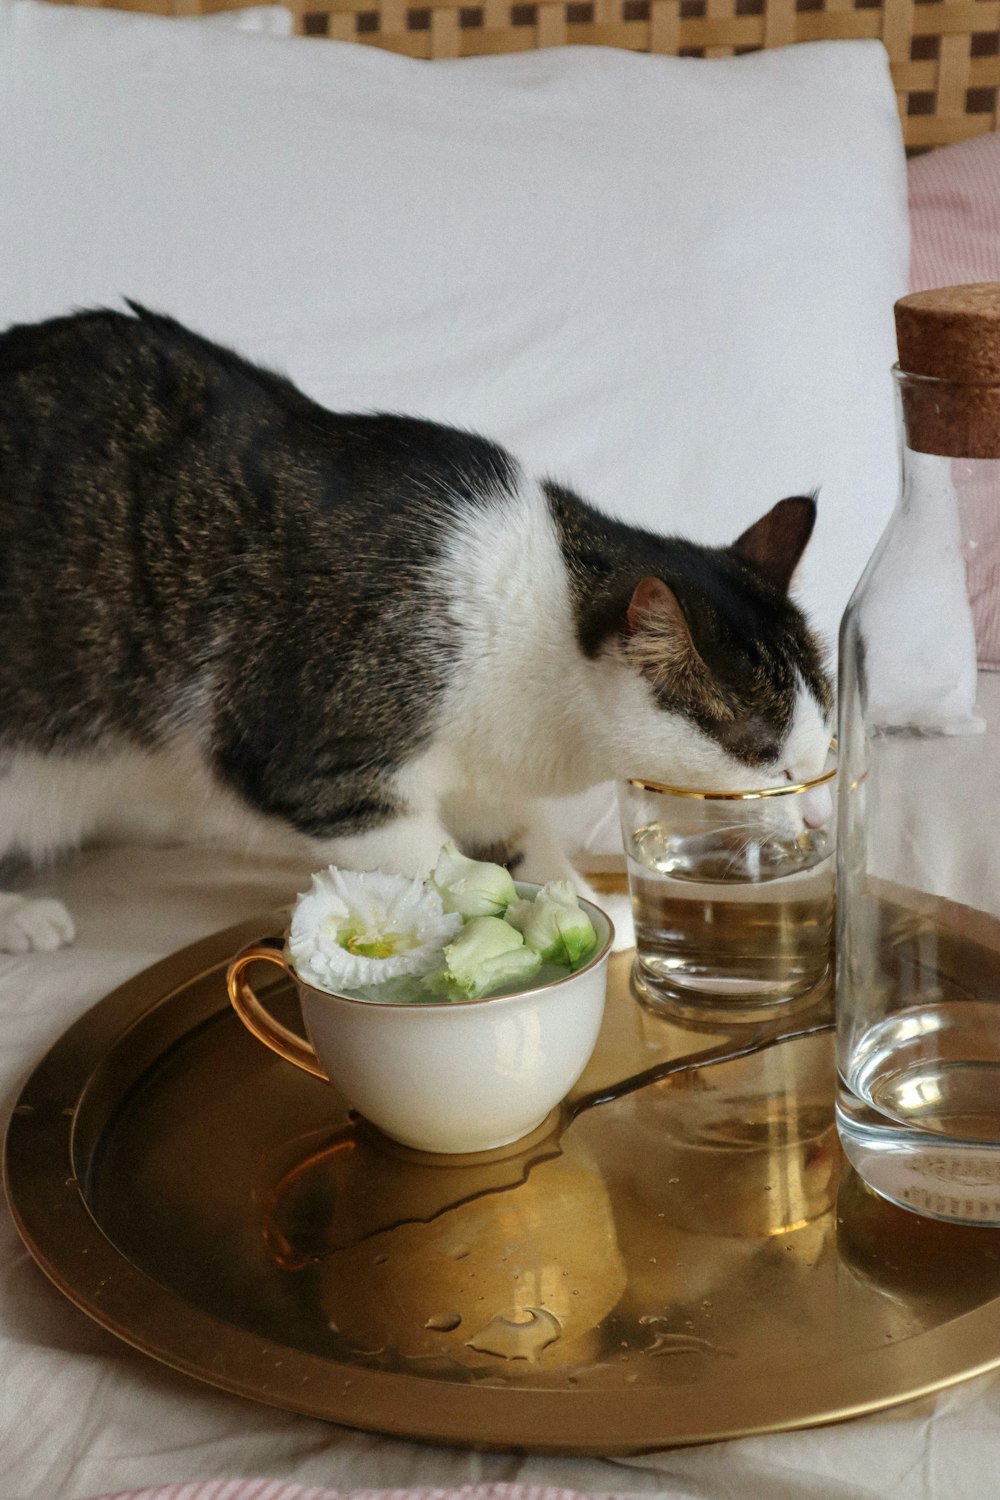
{"x":555,"y":924}
{"x":352,"y":929}
{"x":487,"y":955}
{"x":473,"y":887}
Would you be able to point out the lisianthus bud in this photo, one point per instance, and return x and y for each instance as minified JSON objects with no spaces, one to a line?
{"x":557,"y":927}
{"x":518,"y":913}
{"x":487,"y":955}
{"x":472,"y":887}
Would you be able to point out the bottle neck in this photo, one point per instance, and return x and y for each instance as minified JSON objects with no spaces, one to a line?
{"x":948,"y":418}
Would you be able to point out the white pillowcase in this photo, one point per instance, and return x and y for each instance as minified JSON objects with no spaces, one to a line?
{"x":667,"y":282}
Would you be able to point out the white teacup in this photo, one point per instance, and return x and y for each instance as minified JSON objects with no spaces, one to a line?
{"x":454,"y":1076}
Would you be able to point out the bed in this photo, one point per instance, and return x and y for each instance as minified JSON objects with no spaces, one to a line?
{"x":82,"y":1415}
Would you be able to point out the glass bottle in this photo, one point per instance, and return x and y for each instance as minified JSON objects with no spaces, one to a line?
{"x":918,"y":986}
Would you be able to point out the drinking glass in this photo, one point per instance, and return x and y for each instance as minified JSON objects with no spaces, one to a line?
{"x":732,"y":893}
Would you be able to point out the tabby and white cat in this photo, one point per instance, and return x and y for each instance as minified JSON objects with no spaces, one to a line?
{"x":225,"y":611}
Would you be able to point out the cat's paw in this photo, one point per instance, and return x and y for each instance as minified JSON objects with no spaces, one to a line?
{"x":34,"y":925}
{"x":619,"y":909}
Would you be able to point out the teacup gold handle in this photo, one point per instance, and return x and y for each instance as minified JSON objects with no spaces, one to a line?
{"x":288,"y":1044}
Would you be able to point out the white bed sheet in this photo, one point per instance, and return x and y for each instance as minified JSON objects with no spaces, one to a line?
{"x":82,"y":1414}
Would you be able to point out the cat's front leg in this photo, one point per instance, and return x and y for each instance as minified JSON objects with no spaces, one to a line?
{"x":408,"y":845}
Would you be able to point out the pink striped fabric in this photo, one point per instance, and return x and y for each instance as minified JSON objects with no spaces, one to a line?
{"x":955,"y":214}
{"x":955,"y":237}
{"x":277,"y":1489}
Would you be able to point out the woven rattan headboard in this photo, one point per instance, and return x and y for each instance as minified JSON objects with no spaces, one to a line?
{"x":945,"y":54}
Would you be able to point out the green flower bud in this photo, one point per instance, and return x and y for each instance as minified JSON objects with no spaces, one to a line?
{"x":518,"y":913}
{"x":487,"y":955}
{"x":558,"y":928}
{"x":472,"y":887}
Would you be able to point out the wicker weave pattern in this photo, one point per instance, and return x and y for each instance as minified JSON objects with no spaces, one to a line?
{"x":945,"y":54}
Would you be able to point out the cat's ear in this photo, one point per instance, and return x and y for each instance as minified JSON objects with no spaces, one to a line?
{"x":655,"y":606}
{"x":662,"y":647}
{"x":774,"y":545}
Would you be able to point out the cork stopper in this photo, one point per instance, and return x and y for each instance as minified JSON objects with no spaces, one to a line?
{"x":952,"y":336}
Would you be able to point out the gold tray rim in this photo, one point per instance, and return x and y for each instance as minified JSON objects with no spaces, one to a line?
{"x":56,"y":1226}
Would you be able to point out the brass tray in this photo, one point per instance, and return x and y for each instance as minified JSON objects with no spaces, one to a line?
{"x":678,"y":1255}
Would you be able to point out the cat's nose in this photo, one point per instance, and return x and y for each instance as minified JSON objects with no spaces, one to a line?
{"x":817,"y":807}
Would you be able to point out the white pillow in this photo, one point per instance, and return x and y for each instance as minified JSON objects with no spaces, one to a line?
{"x":668,"y":282}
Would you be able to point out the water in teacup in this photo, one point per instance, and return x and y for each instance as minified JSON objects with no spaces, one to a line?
{"x":410,"y":990}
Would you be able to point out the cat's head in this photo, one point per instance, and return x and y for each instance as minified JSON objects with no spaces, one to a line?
{"x":725,"y":683}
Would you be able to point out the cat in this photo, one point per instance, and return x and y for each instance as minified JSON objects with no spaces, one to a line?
{"x":226,"y":611}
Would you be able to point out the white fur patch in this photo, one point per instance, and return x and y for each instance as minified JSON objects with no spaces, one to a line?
{"x":521,"y":696}
{"x":54,"y":802}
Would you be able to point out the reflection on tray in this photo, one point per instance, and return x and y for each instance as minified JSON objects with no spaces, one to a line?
{"x":514,"y":1256}
{"x":682,"y":1221}
{"x":474,"y":1265}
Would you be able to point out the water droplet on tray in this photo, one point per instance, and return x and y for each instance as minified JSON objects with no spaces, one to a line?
{"x":444,"y":1322}
{"x":522,"y":1334}
{"x":669,"y":1341}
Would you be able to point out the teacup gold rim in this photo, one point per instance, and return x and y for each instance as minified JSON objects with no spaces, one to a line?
{"x":424,"y":1007}
{"x":753,"y":795}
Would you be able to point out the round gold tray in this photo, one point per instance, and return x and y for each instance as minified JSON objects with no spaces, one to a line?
{"x":676,"y":1256}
